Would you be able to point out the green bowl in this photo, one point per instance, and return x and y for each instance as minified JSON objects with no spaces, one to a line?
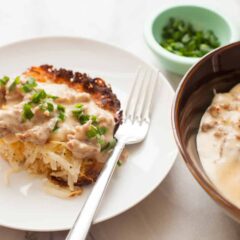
{"x":202,"y":18}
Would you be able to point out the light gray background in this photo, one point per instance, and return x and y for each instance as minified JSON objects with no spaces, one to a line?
{"x":178,"y":209}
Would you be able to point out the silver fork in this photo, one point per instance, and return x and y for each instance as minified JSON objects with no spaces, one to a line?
{"x":136,"y":120}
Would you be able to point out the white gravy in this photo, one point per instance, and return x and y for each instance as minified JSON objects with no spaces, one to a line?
{"x":218,"y":143}
{"x":39,"y":130}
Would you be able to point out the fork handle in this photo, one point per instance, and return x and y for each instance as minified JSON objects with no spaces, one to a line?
{"x":84,"y":219}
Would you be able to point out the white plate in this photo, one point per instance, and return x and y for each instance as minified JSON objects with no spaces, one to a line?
{"x":23,"y":204}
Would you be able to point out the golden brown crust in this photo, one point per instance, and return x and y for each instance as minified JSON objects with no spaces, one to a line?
{"x":102,"y":95}
{"x":99,"y":90}
{"x":90,"y":171}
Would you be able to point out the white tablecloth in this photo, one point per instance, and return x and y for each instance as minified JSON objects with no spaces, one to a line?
{"x":178,"y":209}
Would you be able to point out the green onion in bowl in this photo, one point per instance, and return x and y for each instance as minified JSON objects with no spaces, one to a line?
{"x":181,"y":38}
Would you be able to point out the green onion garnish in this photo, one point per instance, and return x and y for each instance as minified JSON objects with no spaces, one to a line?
{"x":102,"y":130}
{"x":79,"y":105}
{"x":4,"y":80}
{"x":119,"y":163}
{"x":83,"y":119}
{"x":56,"y":127}
{"x":79,"y":115}
{"x":14,"y":84}
{"x":50,"y":107}
{"x":52,"y":96}
{"x":113,"y":143}
{"x":29,"y":85}
{"x":94,"y":119}
{"x":92,"y":132}
{"x":106,"y":146}
{"x":38,"y":96}
{"x":61,"y":116}
{"x":27,"y":112}
{"x":95,"y":131}
{"x":60,"y":108}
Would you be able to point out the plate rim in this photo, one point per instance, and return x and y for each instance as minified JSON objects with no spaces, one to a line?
{"x":80,"y":38}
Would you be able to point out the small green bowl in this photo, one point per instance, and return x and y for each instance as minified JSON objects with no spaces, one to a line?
{"x":202,"y":18}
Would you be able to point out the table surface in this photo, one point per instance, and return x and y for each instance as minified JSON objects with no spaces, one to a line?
{"x":178,"y":208}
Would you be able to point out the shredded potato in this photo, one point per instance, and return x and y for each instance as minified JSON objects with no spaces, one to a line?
{"x":51,"y":159}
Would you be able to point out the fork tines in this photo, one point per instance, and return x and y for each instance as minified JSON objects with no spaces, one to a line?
{"x":140,"y":98}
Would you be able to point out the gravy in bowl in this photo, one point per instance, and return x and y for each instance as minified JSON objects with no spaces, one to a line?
{"x":218,"y":143}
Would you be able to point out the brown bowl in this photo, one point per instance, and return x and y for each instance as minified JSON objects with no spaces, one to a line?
{"x":218,"y":70}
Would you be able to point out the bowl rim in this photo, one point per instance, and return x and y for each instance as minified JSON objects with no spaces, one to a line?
{"x":157,"y":48}
{"x":215,"y":194}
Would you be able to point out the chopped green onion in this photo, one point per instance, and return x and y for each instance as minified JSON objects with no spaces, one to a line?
{"x":52,"y":96}
{"x":14,"y":84}
{"x":92,"y":132}
{"x":56,"y":127}
{"x":50,"y":107}
{"x":106,"y":146}
{"x":29,"y":85}
{"x":4,"y":80}
{"x":26,"y":88}
{"x":27,"y":112}
{"x":61,"y":116}
{"x":38,"y":96}
{"x":46,"y":106}
{"x":79,"y":105}
{"x":94,"y":119}
{"x":77,"y":113}
{"x":102,"y":130}
{"x":112,"y":144}
{"x":60,"y":108}
{"x":95,"y":131}
{"x":119,"y":163}
{"x":83,"y":119}
{"x":183,"y":39}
